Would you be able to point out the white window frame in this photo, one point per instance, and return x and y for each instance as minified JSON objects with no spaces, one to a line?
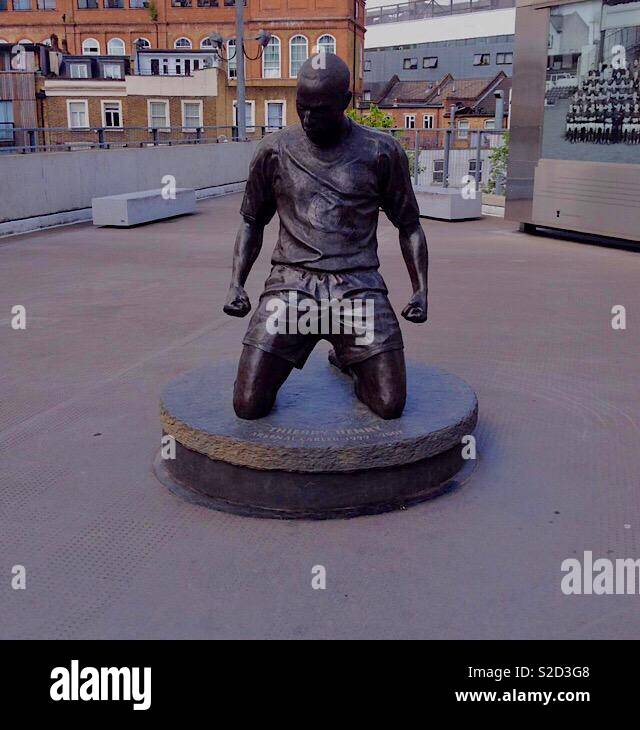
{"x":431,"y":123}
{"x":103,"y":103}
{"x":206,"y":44}
{"x":93,"y":41}
{"x":266,"y":110}
{"x":489,"y":123}
{"x":120,"y":43}
{"x":78,"y":65}
{"x":85,"y":102}
{"x":183,"y":38}
{"x":231,"y":44}
{"x":142,"y":38}
{"x":279,"y":74}
{"x":306,"y":44}
{"x":103,"y":67}
{"x":407,"y":118}
{"x":168,"y":115}
{"x":6,"y":131}
{"x":463,"y":131}
{"x":183,"y":103}
{"x":318,"y":49}
{"x":249,"y":123}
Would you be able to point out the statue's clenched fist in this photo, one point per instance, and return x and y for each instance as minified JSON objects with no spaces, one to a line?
{"x":416,"y":310}
{"x":237,"y":304}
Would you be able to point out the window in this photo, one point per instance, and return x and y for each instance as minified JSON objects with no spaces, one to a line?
{"x":232,"y":67}
{"x":298,"y":53}
{"x":249,"y":115}
{"x":409,"y":64}
{"x":46,"y":4}
{"x":181,"y":3}
{"x":87,"y":4}
{"x":489,"y":123}
{"x":142,"y":43}
{"x":271,"y":59}
{"x":482,"y":59}
{"x":206,"y":42}
{"x":367,"y":64}
{"x":112,"y":114}
{"x":274,"y":115}
{"x":111,"y":4}
{"x":6,"y":121}
{"x":504,"y":59}
{"x":430,"y":62}
{"x":463,"y":129}
{"x":191,"y":115}
{"x":22,"y":5}
{"x":409,"y":121}
{"x":139,"y":3}
{"x":78,"y":70}
{"x":90,"y":47}
{"x":158,"y":113}
{"x":472,"y":166}
{"x":25,"y":42}
{"x":438,"y":171}
{"x":366,"y":96}
{"x":207,"y":3}
{"x":182,"y":43}
{"x":78,"y":113}
{"x":111,"y":71}
{"x":427,"y":121}
{"x":326,"y":44}
{"x":115,"y":47}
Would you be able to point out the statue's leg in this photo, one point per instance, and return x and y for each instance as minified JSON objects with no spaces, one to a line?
{"x":260,"y":375}
{"x":381,"y":383}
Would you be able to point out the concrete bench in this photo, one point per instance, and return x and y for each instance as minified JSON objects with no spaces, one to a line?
{"x":447,"y":204}
{"x":131,"y":209}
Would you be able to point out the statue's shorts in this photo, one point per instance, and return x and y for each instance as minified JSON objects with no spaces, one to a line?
{"x":299,"y":307}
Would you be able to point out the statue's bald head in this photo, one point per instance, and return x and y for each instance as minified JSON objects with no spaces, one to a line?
{"x":322,"y":95}
{"x":326,"y":72}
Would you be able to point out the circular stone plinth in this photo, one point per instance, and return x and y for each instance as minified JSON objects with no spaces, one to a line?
{"x":320,"y":452}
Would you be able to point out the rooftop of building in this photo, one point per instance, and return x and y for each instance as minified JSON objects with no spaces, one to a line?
{"x":113,"y":315}
{"x":471,"y":94}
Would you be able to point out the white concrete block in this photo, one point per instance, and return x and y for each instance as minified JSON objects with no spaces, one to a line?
{"x":447,"y":203}
{"x":131,"y":209}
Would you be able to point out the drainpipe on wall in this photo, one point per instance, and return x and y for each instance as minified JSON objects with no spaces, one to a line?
{"x":499,"y":113}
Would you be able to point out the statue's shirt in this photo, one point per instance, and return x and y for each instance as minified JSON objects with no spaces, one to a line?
{"x":328,"y":199}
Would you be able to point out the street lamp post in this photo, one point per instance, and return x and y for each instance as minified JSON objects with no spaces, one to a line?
{"x":241,"y":106}
{"x":217,"y":41}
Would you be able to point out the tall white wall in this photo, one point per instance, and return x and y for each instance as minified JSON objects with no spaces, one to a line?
{"x":449,"y":27}
{"x":46,"y":183}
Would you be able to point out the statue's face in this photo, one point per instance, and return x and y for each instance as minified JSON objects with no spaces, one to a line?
{"x":321,"y":113}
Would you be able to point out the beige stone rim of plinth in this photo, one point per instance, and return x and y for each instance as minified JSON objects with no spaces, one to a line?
{"x":343,"y":458}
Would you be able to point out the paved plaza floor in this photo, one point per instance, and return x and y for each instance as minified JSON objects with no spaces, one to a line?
{"x":112,"y":315}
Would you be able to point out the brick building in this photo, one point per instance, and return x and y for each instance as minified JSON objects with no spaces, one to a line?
{"x":111,"y":28}
{"x":426,"y":105}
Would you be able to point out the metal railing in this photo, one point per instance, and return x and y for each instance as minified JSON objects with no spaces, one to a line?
{"x":421,"y":9}
{"x":453,"y":157}
{"x":64,"y":139}
{"x":447,"y":156}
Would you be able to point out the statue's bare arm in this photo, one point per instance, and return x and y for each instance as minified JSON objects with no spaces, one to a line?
{"x":247,"y":248}
{"x":413,"y":244}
